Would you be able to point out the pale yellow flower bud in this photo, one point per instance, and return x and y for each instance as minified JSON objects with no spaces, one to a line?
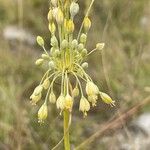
{"x":80,"y":72}
{"x":84,"y":52}
{"x":46,"y":84}
{"x":38,"y":90}
{"x":59,"y":16}
{"x":60,"y":103}
{"x":52,"y":28}
{"x":54,"y":41}
{"x":91,"y":88}
{"x":57,"y":53}
{"x":74,"y":44}
{"x":64,"y":44}
{"x":83,"y":38}
{"x":75,"y":91}
{"x":39,"y":61}
{"x":40,"y":41}
{"x":54,"y":2}
{"x":68,"y":102}
{"x":51,"y":64}
{"x":50,"y":16}
{"x":54,"y":12}
{"x":84,"y":105}
{"x":107,"y":99}
{"x":45,"y":56}
{"x":100,"y":46}
{"x":35,"y":98}
{"x":85,"y":65}
{"x":87,"y":24}
{"x":52,"y":98}
{"x":80,"y":47}
{"x":74,"y":9}
{"x":42,"y":113}
{"x":70,"y":26}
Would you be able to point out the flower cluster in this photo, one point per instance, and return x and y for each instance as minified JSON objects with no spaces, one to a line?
{"x":66,"y":60}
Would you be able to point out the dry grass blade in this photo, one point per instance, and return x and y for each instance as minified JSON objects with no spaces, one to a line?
{"x":115,"y":124}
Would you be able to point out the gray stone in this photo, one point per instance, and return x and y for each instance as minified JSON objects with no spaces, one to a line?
{"x":14,"y":33}
{"x":143,"y":122}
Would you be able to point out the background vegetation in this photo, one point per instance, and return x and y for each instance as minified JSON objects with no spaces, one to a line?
{"x":123,"y":70}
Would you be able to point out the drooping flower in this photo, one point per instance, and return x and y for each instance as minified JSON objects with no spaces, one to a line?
{"x":93,"y":99}
{"x":60,"y":103}
{"x":42,"y":113}
{"x":91,"y":88}
{"x":35,"y":98}
{"x":46,"y":84}
{"x":52,"y":98}
{"x":107,"y":99}
{"x":75,"y":91}
{"x":68,"y":102}
{"x":38,"y":90}
{"x":84,"y":106}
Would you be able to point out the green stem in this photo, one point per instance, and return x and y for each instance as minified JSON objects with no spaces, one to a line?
{"x":66,"y":130}
{"x":87,"y":13}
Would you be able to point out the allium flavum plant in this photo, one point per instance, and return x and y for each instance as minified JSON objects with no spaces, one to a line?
{"x":66,"y":60}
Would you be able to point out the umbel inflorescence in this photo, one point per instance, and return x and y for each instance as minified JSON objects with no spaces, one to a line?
{"x":65,"y":61}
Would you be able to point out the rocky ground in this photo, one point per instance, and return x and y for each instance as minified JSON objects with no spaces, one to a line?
{"x":136,"y":136}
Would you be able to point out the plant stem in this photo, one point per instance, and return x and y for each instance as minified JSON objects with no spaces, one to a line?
{"x":66,"y":130}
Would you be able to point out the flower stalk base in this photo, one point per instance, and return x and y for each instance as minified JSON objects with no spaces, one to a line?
{"x":66,"y":130}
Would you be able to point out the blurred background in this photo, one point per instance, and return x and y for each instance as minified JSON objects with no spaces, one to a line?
{"x":122,"y":70}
